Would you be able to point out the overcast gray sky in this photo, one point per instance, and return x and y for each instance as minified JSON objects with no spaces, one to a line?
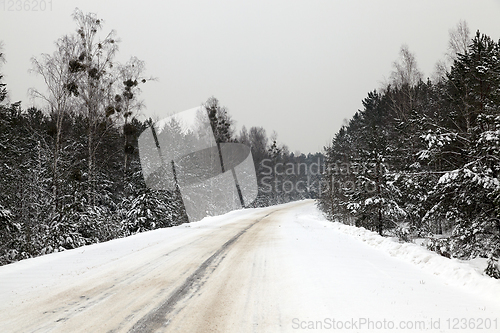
{"x":299,"y":67}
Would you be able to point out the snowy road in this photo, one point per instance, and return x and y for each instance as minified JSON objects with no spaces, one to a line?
{"x":278,"y":269}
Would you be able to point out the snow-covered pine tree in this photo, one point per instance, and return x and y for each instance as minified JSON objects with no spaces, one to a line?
{"x":493,"y":268}
{"x":334,"y":198}
{"x":154,"y":209}
{"x":374,"y":200}
{"x":469,"y":195}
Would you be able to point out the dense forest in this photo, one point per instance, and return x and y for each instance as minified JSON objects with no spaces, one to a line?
{"x":422,"y":158}
{"x":70,"y":170}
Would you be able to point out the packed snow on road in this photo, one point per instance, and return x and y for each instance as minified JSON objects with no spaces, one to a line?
{"x":277,"y":269}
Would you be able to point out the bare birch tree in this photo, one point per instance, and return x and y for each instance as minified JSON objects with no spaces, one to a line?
{"x":59,"y":97}
{"x":92,"y":81}
{"x":458,"y":43}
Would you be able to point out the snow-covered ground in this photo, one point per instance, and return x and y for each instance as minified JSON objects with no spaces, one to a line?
{"x":276,"y":269}
{"x":467,"y":273}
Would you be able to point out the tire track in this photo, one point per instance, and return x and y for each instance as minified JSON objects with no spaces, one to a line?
{"x":158,"y":317}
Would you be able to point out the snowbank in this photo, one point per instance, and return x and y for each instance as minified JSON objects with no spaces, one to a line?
{"x":455,"y":272}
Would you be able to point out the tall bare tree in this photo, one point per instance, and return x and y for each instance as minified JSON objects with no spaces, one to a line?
{"x":59,"y":96}
{"x":82,"y":76}
{"x":458,"y":43}
{"x":92,"y":71}
{"x":126,"y":102}
{"x":406,"y":71}
{"x":404,"y":77}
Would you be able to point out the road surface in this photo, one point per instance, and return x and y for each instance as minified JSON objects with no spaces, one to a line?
{"x":264,"y":270}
